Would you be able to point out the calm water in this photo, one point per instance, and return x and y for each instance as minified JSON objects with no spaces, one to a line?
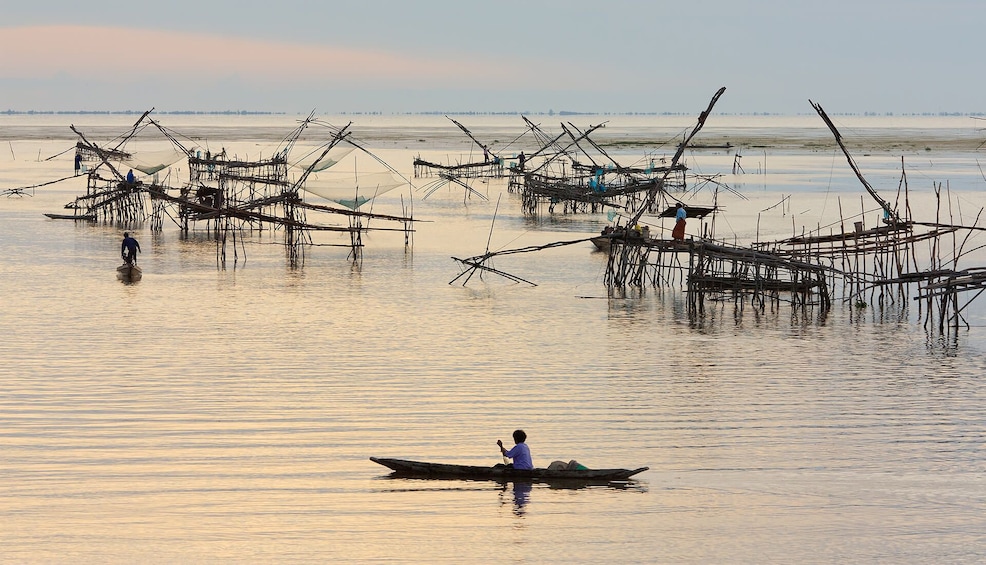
{"x":227,"y":415}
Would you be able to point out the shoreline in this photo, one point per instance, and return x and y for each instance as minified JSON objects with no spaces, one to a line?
{"x":428,"y":132}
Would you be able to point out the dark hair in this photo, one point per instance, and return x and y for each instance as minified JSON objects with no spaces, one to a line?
{"x":519,"y":436}
{"x":126,"y":234}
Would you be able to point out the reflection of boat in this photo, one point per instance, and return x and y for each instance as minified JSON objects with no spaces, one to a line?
{"x":129,"y":272}
{"x":421,"y":469}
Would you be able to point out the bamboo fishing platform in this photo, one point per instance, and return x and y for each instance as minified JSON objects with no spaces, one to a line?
{"x":224,"y":196}
{"x":481,"y":169}
{"x":711,"y":270}
{"x":460,"y":173}
{"x":896,"y":259}
{"x":570,"y":173}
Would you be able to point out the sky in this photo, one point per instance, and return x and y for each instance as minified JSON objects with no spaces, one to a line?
{"x":605,"y":56}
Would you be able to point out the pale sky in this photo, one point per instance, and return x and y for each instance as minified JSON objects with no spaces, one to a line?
{"x":900,"y":56}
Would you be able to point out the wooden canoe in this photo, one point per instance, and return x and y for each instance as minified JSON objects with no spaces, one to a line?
{"x":129,"y":272}
{"x":604,"y":242}
{"x":76,"y":217}
{"x":421,"y":469}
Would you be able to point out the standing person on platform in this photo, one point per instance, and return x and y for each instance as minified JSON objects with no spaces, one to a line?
{"x":678,"y":234}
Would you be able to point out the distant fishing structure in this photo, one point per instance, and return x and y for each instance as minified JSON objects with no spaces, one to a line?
{"x":621,"y":240}
{"x":572,"y":172}
{"x":490,"y":167}
{"x":226,"y":196}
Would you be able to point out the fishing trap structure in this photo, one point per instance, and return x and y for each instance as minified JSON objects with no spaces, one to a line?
{"x":571,"y":173}
{"x":226,"y":196}
{"x":895,"y":260}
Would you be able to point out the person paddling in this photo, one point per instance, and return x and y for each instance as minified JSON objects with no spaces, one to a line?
{"x":520,"y":453}
{"x":129,"y":249}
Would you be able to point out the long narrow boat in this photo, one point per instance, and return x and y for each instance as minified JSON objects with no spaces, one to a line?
{"x":421,"y":469}
{"x":76,"y":217}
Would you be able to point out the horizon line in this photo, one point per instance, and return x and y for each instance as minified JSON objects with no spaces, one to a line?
{"x":12,"y":112}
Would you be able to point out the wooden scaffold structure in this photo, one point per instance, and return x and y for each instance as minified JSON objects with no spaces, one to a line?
{"x":581,"y":177}
{"x":226,"y":196}
{"x":861,"y":265}
{"x":898,"y":260}
{"x":708,"y":269}
{"x":459,"y":174}
{"x":491,"y":165}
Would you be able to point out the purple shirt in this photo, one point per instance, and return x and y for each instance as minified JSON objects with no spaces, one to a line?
{"x":521,"y":456}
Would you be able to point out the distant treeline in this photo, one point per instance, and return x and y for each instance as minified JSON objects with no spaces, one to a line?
{"x":572,"y":113}
{"x":463,"y":113}
{"x":141,"y":112}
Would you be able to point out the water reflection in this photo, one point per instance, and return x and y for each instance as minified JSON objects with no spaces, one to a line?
{"x":262,"y":389}
{"x":947,"y":345}
{"x":517,"y":494}
{"x":521,"y":495}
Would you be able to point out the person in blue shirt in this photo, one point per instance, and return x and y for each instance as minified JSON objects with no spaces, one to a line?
{"x":520,"y":453}
{"x":129,"y":249}
{"x":130,"y":177}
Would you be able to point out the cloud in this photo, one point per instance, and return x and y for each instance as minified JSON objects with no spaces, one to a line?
{"x":121,"y":54}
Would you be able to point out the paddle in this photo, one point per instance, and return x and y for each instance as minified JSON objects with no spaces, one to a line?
{"x":506,"y":461}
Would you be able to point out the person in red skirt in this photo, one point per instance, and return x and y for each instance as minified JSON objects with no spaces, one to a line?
{"x":678,"y":233}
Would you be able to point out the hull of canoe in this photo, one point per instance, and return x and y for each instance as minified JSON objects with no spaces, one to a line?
{"x":129,"y":272}
{"x":76,"y":217}
{"x":407,"y":468}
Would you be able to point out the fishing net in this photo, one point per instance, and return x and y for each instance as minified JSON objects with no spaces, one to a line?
{"x":349,"y":190}
{"x":150,"y":162}
{"x":317,"y":162}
